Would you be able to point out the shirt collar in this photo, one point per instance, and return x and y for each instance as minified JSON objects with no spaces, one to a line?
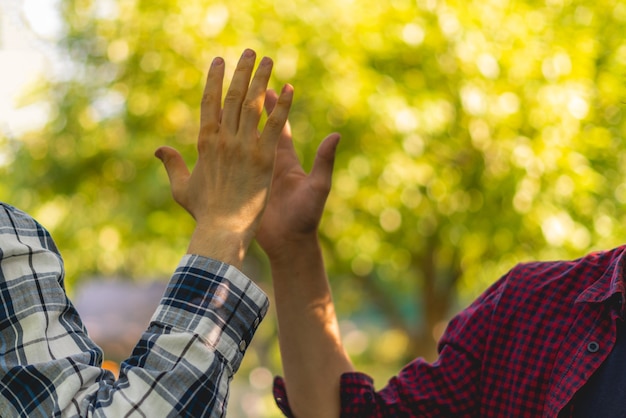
{"x":609,"y":284}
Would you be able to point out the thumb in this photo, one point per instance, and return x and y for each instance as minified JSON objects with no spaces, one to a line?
{"x":174,"y":164}
{"x":322,"y":171}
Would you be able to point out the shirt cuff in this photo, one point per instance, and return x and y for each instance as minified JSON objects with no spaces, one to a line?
{"x":215,"y":301}
{"x":357,"y":395}
{"x":280,"y":397}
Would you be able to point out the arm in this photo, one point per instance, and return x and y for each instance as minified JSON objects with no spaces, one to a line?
{"x":312,"y":353}
{"x":226,"y":193}
{"x":319,"y":378}
{"x":180,"y":367}
{"x":184,"y":361}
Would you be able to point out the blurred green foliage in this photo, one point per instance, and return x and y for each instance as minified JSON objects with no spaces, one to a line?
{"x":475,"y":134}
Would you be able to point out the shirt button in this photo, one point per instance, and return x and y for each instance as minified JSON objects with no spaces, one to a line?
{"x":593,"y":347}
{"x":242,"y":345}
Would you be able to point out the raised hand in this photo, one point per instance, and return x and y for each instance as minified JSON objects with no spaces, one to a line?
{"x":297,"y":199}
{"x":227,"y":190}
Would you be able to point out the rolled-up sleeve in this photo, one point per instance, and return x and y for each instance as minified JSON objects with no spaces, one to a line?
{"x":447,"y":387}
{"x":181,"y":366}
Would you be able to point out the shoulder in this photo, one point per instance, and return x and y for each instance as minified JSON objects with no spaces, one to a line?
{"x":535,"y":288}
{"x":12,"y":218}
{"x":19,"y":229}
{"x":575,"y":274}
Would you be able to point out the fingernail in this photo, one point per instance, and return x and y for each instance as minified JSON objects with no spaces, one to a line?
{"x":159,"y":154}
{"x":217,"y":61}
{"x":266,"y":61}
{"x":248,"y":53}
{"x":287,"y":88}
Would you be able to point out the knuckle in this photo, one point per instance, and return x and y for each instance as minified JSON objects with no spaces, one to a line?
{"x":245,"y":67}
{"x":275,"y":123}
{"x":250,"y":104}
{"x":207,"y":125}
{"x":208,"y":97}
{"x":233,"y":95}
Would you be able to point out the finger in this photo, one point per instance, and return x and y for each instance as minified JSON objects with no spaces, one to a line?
{"x":271,"y":98}
{"x":253,"y":104}
{"x":237,"y":91}
{"x":277,"y":119}
{"x":322,"y":170}
{"x":175,"y":166}
{"x":211,"y":104}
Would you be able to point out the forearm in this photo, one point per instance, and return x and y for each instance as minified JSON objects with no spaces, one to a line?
{"x":226,"y":246}
{"x":313,"y":357}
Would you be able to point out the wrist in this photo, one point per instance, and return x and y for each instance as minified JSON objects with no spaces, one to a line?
{"x":219,"y":244}
{"x":303,"y":249}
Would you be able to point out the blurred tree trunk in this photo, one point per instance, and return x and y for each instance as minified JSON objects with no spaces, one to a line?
{"x":436,"y":294}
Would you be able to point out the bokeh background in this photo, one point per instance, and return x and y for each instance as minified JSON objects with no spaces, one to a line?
{"x":476,"y":134}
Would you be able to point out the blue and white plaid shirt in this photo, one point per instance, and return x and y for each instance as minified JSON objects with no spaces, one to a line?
{"x":182,"y":365}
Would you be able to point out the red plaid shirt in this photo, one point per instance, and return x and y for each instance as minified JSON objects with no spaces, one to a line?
{"x":522,"y":349}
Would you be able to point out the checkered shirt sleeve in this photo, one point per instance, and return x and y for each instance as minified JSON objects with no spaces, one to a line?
{"x":181,"y":367}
